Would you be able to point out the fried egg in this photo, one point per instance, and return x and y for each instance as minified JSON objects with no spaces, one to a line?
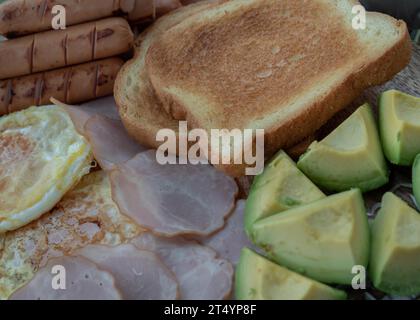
{"x":42,"y":156}
{"x":86,"y":215}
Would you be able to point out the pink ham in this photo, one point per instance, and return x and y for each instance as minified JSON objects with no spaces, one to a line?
{"x":100,"y":123}
{"x":172,"y":200}
{"x":81,"y":114}
{"x":139,"y":274}
{"x":83,"y":281}
{"x":110,"y":142}
{"x":201,"y":275}
{"x":229,"y":241}
{"x":102,"y":106}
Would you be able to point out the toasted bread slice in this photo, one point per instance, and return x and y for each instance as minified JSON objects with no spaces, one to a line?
{"x":140,"y":111}
{"x":284,"y":66}
{"x":139,"y":108}
{"x":407,"y":81}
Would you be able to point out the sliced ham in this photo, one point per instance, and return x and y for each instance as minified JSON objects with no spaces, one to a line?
{"x":86,"y":215}
{"x":83,"y":280}
{"x":172,"y":200}
{"x":81,"y":114}
{"x":100,"y":123}
{"x":139,"y":274}
{"x":104,"y":106}
{"x":201,"y":275}
{"x":110,"y":142}
{"x":229,"y":241}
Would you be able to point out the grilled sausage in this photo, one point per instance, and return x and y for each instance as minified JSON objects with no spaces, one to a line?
{"x":59,"y":48}
{"x":71,"y":85}
{"x":20,"y":17}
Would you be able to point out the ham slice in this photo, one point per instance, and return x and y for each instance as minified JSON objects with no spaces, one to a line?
{"x":229,"y":241}
{"x":83,"y":281}
{"x":139,"y":274}
{"x":201,"y":275}
{"x":86,"y":215}
{"x":81,"y":114}
{"x":100,"y":123}
{"x":110,"y":142}
{"x":172,"y":200}
{"x":103,"y":106}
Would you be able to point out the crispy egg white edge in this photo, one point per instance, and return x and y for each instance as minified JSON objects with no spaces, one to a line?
{"x":78,"y":169}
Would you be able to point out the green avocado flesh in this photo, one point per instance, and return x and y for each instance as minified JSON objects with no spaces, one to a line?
{"x":280,"y":187}
{"x":399,"y":122}
{"x":260,"y":279}
{"x":350,"y":157}
{"x":323,"y":240}
{"x":395,"y":255}
{"x":416,"y":180}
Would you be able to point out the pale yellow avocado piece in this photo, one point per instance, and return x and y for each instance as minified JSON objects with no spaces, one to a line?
{"x":323,"y":240}
{"x":350,"y":157}
{"x":260,"y":279}
{"x":280,"y":187}
{"x":399,"y":116}
{"x":395,"y":256}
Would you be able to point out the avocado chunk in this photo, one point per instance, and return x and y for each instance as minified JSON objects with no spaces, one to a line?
{"x":349,"y":157}
{"x":280,"y":187}
{"x":399,"y":123}
{"x":323,"y":240}
{"x":395,"y":258}
{"x":416,"y":180}
{"x":260,"y":279}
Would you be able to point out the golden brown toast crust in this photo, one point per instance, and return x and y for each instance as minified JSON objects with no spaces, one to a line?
{"x":381,"y":71}
{"x":253,"y":61}
{"x":139,"y":112}
{"x":228,"y":65}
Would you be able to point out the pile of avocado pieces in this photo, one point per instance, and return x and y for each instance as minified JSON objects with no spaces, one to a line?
{"x":310,"y":239}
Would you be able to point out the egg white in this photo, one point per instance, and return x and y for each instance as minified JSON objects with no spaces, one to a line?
{"x":75,"y":159}
{"x":79,"y":168}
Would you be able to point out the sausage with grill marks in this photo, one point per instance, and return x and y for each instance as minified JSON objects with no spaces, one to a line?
{"x":59,"y":48}
{"x":70,"y":85}
{"x":21,"y":17}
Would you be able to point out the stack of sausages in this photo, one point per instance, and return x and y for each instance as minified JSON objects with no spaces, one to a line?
{"x":73,"y":65}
